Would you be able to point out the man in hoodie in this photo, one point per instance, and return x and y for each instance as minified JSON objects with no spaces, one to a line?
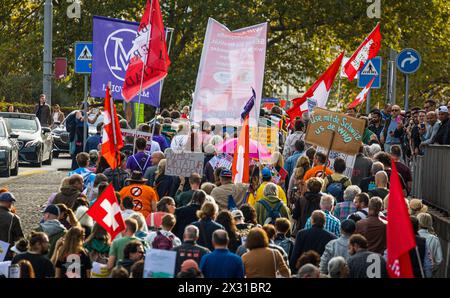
{"x":70,"y":193}
{"x":338,"y":247}
{"x":271,"y":205}
{"x":266,"y":174}
{"x":52,"y":227}
{"x":229,"y":189}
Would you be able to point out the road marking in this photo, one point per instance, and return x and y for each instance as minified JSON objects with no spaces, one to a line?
{"x":33,"y":172}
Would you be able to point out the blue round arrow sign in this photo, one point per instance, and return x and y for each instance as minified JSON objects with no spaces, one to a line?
{"x":408,"y":61}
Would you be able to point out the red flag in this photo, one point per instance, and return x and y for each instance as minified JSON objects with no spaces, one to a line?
{"x":318,"y":92}
{"x":106,"y":212}
{"x":241,"y":158}
{"x":400,"y":235}
{"x":362,"y":96}
{"x":149,"y":50}
{"x":111,"y":147}
{"x":366,"y":51}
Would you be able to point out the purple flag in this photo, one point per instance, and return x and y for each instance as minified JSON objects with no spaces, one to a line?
{"x":113,"y":42}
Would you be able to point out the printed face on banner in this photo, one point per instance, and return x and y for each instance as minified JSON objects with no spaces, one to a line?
{"x":113,"y":48}
{"x":231,"y":64}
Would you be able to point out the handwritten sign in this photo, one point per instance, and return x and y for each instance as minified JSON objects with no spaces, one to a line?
{"x":159,"y":263}
{"x":348,"y":131}
{"x":349,"y":160}
{"x":184,"y":163}
{"x":139,"y":134}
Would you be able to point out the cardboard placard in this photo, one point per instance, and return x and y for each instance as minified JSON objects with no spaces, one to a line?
{"x":348,"y":131}
{"x":159,"y":263}
{"x":184,"y":163}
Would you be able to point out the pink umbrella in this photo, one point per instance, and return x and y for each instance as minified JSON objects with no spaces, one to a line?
{"x":229,"y":145}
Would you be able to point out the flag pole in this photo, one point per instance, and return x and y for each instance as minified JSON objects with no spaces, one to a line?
{"x":420,"y":262}
{"x":157,"y":110}
{"x":338,"y":93}
{"x":113,"y":122}
{"x":144,"y":64}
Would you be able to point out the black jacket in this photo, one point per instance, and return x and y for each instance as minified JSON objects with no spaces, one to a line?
{"x":189,"y":250}
{"x":207,"y":227}
{"x":360,"y":262}
{"x":185,"y":216}
{"x":165,"y":186}
{"x":304,"y":206}
{"x":421,"y":243}
{"x":442,"y":137}
{"x":314,"y":238}
{"x":10,"y":229}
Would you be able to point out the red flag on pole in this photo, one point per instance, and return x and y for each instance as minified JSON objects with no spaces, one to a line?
{"x":149,"y":49}
{"x":106,"y":212}
{"x":318,"y":92}
{"x":400,"y":235}
{"x":112,"y":140}
{"x":362,"y":96}
{"x":366,"y":51}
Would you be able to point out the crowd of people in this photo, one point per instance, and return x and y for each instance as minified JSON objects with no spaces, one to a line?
{"x":315,"y":222}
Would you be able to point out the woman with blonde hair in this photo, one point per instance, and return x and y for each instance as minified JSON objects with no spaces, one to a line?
{"x":206,"y":224}
{"x":69,"y":250}
{"x":296,"y":180}
{"x":277,"y":161}
{"x":426,"y":231}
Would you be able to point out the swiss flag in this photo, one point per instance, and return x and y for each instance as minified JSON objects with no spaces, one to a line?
{"x":400,"y":235}
{"x":318,"y":92}
{"x":149,"y":49}
{"x":106,"y":212}
{"x":366,"y":51}
{"x":112,"y":140}
{"x":362,"y":96}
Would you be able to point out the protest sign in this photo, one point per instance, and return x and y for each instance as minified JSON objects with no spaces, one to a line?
{"x":232,"y":62}
{"x":159,"y":263}
{"x":3,"y":250}
{"x":113,"y":45}
{"x":139,"y":134}
{"x":4,"y":268}
{"x":348,"y":131}
{"x":221,"y":161}
{"x":99,"y":270}
{"x":266,"y":136}
{"x":349,"y":160}
{"x":184,"y":163}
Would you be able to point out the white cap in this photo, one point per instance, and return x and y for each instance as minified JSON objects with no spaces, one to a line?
{"x":443,"y":109}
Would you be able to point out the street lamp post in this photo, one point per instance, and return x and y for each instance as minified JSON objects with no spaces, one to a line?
{"x":48,"y":37}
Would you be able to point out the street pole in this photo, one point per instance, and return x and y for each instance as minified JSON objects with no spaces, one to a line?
{"x":86,"y":122}
{"x":406,"y":92}
{"x":47,"y":61}
{"x":368,"y":102}
{"x":393,"y":76}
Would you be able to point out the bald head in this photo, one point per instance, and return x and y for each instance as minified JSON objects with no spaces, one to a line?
{"x":220,"y":239}
{"x":431,"y":117}
{"x":381,"y":179}
{"x":156,"y":157}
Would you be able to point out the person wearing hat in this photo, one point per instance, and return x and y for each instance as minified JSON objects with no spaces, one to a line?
{"x":442,"y":137}
{"x":338,"y":247}
{"x":266,"y":178}
{"x":189,"y":269}
{"x":228,"y":190}
{"x":416,"y":206}
{"x":10,"y":227}
{"x":144,"y":197}
{"x":52,"y":227}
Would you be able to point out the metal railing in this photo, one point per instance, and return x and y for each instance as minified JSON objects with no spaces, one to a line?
{"x":431,"y":177}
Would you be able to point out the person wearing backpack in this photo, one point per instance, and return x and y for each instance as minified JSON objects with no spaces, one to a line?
{"x":164,"y":239}
{"x":361,"y":203}
{"x":282,"y":237}
{"x":270,"y":207}
{"x":336,"y":183}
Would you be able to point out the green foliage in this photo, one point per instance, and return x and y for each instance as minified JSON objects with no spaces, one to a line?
{"x":304,"y":38}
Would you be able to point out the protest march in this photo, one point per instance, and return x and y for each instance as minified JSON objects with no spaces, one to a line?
{"x":230,"y":185}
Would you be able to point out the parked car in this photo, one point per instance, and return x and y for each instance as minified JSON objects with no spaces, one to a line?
{"x":35,"y":142}
{"x":9,"y":151}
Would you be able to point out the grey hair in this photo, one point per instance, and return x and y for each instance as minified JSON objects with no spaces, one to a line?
{"x":308,"y":271}
{"x":270,"y":189}
{"x":351,"y":192}
{"x":374,"y":149}
{"x":191,"y":232}
{"x":327,"y":201}
{"x":335,"y":266}
{"x":376,"y":167}
{"x":139,"y":219}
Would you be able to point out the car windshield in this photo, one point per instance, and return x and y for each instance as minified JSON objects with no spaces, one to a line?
{"x":23,"y":124}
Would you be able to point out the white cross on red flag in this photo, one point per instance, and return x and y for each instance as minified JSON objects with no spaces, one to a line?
{"x":106,"y":212}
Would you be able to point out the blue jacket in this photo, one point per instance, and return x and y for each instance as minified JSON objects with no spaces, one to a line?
{"x":92,"y":142}
{"x":290,"y":163}
{"x":222,"y":263}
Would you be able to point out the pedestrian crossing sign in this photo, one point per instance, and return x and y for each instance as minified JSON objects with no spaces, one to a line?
{"x":83,"y":57}
{"x":371,"y":69}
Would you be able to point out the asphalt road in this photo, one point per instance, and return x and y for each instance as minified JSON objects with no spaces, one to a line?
{"x":32,"y":187}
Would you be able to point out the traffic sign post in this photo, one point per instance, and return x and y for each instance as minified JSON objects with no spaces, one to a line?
{"x":83,"y":65}
{"x":371,"y":69}
{"x":408,"y":62}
